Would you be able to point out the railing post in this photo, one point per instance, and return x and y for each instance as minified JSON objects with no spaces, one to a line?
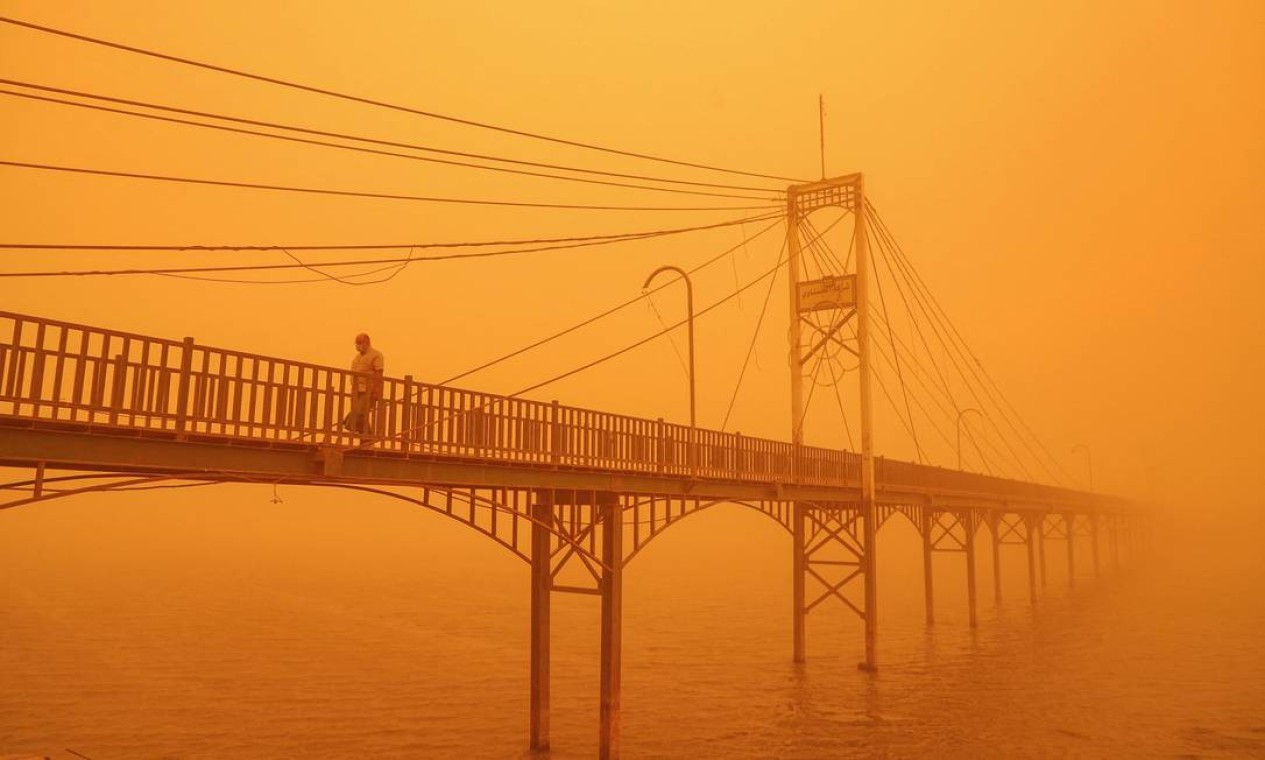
{"x":37,"y":374}
{"x":692,"y":452}
{"x":406,"y":415}
{"x":182,"y":386}
{"x":555,"y":434}
{"x":37,"y":490}
{"x":662,"y":454}
{"x":116,"y":392}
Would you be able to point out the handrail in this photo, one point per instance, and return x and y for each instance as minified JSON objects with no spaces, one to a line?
{"x":54,"y":370}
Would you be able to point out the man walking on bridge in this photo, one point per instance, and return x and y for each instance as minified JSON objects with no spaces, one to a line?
{"x":367,"y":366}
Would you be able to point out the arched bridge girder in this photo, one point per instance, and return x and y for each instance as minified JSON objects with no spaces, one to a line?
{"x":520,"y":520}
{"x":779,"y":511}
{"x":911,"y":512}
{"x":118,"y":483}
{"x":492,"y":527}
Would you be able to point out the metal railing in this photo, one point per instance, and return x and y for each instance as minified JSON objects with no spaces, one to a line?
{"x":89,"y":376}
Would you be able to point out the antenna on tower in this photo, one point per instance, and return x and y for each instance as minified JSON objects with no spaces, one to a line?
{"x":821,"y":123}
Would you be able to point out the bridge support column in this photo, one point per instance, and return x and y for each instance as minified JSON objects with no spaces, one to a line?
{"x":1071,"y":549}
{"x":612,"y":629}
{"x":1030,"y":530}
{"x":1093,"y":533}
{"x":928,"y":523}
{"x":1041,"y":546}
{"x":799,"y":615}
{"x":1113,"y":534}
{"x":870,"y":564}
{"x":541,"y":586}
{"x":972,"y":522}
{"x":995,"y":523}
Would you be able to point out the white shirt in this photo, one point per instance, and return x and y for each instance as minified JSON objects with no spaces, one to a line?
{"x":369,"y":363}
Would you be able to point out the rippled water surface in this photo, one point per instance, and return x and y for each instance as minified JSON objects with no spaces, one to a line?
{"x":170,"y":626}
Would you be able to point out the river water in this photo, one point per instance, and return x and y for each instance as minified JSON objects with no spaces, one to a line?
{"x":178,"y":624}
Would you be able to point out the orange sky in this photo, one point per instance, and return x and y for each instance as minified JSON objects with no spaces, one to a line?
{"x":1077,"y":182}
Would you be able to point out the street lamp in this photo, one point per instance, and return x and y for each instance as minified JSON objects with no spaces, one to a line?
{"x":959,"y":426}
{"x":689,"y":303}
{"x":1089,"y":462}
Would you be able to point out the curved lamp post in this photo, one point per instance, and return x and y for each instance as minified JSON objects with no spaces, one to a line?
{"x":1089,"y":462}
{"x":689,"y":303}
{"x":959,"y":426}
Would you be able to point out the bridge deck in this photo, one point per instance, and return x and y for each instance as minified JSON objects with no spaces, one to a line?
{"x":80,"y":397}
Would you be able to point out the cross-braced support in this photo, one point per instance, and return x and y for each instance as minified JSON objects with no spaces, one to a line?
{"x":1010,"y":528}
{"x":587,"y":538}
{"x":832,"y":543}
{"x":948,"y":531}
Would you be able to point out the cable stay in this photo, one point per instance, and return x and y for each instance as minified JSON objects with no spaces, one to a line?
{"x":949,"y":443}
{"x":604,"y":314}
{"x":638,"y":344}
{"x":742,"y":373}
{"x":913,"y":429}
{"x":760,"y":321}
{"x":928,"y":385}
{"x":975,"y":362}
{"x":885,"y":254}
{"x":939,"y":330}
{"x":940,"y":325}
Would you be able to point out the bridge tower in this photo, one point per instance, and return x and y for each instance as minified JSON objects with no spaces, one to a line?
{"x":833,"y":543}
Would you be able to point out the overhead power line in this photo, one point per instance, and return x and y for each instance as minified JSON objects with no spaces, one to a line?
{"x":364,"y":194}
{"x":647,"y":339}
{"x":381,"y":246}
{"x":604,"y":314}
{"x":360,"y":262}
{"x":601,"y":360}
{"x":381,"y":103}
{"x":361,"y":149}
{"x":378,"y":141}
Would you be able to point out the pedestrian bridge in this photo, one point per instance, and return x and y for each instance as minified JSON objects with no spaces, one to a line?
{"x":574,"y":492}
